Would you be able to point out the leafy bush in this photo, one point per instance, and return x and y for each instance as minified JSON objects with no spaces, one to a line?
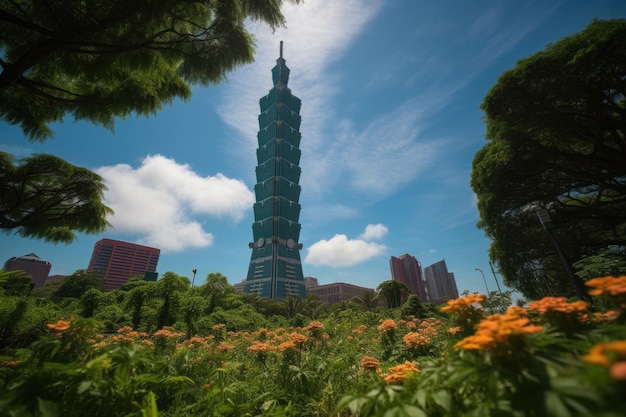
{"x":557,"y":357}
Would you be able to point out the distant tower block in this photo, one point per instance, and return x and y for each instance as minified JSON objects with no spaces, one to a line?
{"x":119,"y":261}
{"x":408,"y":270}
{"x":440,"y":284}
{"x":275,"y":269}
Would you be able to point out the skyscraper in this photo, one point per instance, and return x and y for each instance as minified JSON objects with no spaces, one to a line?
{"x":275,"y":269}
{"x":440,"y":284}
{"x":119,"y":261}
{"x":408,"y":270}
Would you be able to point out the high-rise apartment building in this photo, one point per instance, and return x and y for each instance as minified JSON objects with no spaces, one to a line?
{"x":275,"y":269}
{"x":440,"y":284}
{"x":32,"y":264}
{"x":119,"y":261}
{"x":408,"y":270}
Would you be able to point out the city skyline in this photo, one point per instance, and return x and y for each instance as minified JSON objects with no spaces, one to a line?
{"x":391,"y":96}
{"x":239,"y":283}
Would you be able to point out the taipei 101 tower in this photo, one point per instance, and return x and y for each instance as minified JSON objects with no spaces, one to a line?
{"x":275,"y":269}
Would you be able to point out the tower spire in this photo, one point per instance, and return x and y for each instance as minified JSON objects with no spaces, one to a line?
{"x":281,"y":50}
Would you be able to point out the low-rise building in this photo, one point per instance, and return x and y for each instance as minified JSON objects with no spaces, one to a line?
{"x":33,"y":265}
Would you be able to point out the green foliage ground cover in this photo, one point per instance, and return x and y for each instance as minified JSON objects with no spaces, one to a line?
{"x":252,"y":357}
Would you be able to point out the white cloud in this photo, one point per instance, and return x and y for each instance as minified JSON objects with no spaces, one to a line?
{"x":374,"y":231}
{"x":158,"y":201}
{"x":340,"y":251}
{"x":388,"y":154}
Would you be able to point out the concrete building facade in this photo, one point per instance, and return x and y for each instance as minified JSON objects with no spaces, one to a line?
{"x":33,"y":265}
{"x":119,"y":261}
{"x":337,"y":292}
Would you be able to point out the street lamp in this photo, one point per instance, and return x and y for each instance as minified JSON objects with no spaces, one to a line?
{"x":195,"y":271}
{"x":484,"y":280}
{"x":548,"y":226}
{"x":494,"y":277}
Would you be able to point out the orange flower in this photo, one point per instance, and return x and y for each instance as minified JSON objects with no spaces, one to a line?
{"x":397,"y":374}
{"x":369,"y":362}
{"x":607,"y":285}
{"x":387,"y":326}
{"x":497,"y":329}
{"x":225,"y":347}
{"x":606,"y":316}
{"x":597,"y":356}
{"x":454,"y":330}
{"x":415,"y":340}
{"x":610,"y":355}
{"x":167,"y":334}
{"x":315,"y":325}
{"x":194,"y":342}
{"x":463,"y":302}
{"x":360,"y":330}
{"x":260,"y":347}
{"x":60,"y":326}
{"x":431,"y":322}
{"x":286,"y":346}
{"x":618,"y":371}
{"x":559,"y":305}
{"x":298,"y":338}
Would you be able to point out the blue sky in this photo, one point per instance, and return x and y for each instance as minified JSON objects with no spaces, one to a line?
{"x":391,"y":121}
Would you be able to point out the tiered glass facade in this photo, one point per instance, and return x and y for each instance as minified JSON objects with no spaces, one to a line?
{"x":275,"y":269}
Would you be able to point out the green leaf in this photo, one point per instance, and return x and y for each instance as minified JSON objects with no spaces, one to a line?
{"x":554,"y":406}
{"x":149,"y":406}
{"x":404,"y":410}
{"x":84,"y":386}
{"x":47,"y":408}
{"x":420,"y":396}
{"x":442,"y":398}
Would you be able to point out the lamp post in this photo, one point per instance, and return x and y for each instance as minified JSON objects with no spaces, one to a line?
{"x":494,"y":277}
{"x":548,"y":226}
{"x":195,"y":271}
{"x":484,"y":280}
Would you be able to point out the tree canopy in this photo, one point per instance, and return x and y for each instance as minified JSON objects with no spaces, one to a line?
{"x":16,"y":283}
{"x":98,"y":60}
{"x":47,"y":198}
{"x":394,"y":292}
{"x":556,"y":131}
{"x":77,"y":284}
